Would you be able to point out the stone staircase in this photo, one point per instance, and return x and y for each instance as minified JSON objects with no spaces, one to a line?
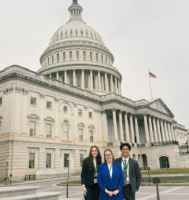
{"x":26,"y":193}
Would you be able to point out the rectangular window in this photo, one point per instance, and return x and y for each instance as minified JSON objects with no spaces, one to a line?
{"x":33,"y":101}
{"x":97,"y":57}
{"x":86,"y":81}
{"x":77,"y":55}
{"x":48,"y":160}
{"x":52,"y":59}
{"x":65,"y":130}
{"x":78,"y":81}
{"x":58,"y":57}
{"x":48,"y":61}
{"x":84,"y":55}
{"x":71,"y":80}
{"x":81,"y":159}
{"x":66,"y":160}
{"x":48,"y":130}
{"x":70,"y":55}
{"x":64,"y":56}
{"x":32,"y":129}
{"x":102,"y":58}
{"x":1,"y":101}
{"x":91,"y":135}
{"x":80,"y":112}
{"x":31,"y":160}
{"x":91,"y":56}
{"x":106,"y":60}
{"x":49,"y":105}
{"x":80,"y":135}
{"x":0,"y":126}
{"x":90,"y":114}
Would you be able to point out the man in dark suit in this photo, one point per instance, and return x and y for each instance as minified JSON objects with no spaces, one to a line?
{"x":132,"y":176}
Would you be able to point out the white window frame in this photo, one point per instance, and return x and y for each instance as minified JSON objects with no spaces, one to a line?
{"x":36,"y":152}
{"x":35,"y":101}
{"x":50,"y":130}
{"x":49,"y":151}
{"x":80,"y":111}
{"x":91,"y":128}
{"x":67,"y":130}
{"x":32,"y":129}
{"x":50,"y":103}
{"x":33,"y":118}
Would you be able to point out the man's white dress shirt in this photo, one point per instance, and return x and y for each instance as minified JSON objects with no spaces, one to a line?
{"x":127,"y":179}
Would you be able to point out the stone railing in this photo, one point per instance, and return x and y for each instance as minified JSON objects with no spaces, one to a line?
{"x":164,"y":143}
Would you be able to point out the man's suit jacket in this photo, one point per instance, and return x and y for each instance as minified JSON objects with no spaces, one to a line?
{"x":134,"y":173}
{"x":105,"y":181}
{"x":87,"y":175}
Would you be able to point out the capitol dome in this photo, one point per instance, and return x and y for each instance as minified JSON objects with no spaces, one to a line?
{"x":77,"y":55}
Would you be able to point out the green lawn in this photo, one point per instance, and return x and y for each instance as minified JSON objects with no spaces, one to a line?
{"x":172,"y":181}
{"x":72,"y":182}
{"x":168,"y":171}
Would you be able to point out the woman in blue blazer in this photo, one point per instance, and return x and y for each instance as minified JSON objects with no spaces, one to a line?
{"x":110,"y":178}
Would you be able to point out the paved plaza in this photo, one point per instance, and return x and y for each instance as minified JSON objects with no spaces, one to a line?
{"x":145,"y":192}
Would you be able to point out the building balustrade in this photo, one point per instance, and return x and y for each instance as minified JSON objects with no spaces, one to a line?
{"x":164,"y":143}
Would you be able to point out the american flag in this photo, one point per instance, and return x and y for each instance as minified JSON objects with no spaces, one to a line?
{"x":152,"y":75}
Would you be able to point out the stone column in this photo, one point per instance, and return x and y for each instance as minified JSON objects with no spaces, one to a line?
{"x":132,"y":129}
{"x":111,"y":84}
{"x":99,"y":82}
{"x":57,"y":159}
{"x":115,"y":126}
{"x":42,"y":133}
{"x":150,"y":128}
{"x":136,"y":129}
{"x":158,"y":130}
{"x":163,"y":132}
{"x":173,"y":133}
{"x":155,"y":130}
{"x":82,"y":79}
{"x":106,"y":82}
{"x":74,"y":82}
{"x":57,"y":76}
{"x":127,"y":129}
{"x":91,"y":79}
{"x":169,"y":131}
{"x":146,"y":130}
{"x":121,"y":126}
{"x":57,"y":136}
{"x":65,"y":76}
{"x":116,"y":85}
{"x":104,"y":127}
{"x":166,"y":132}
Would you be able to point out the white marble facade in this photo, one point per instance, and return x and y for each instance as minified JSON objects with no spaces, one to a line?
{"x":75,"y":101}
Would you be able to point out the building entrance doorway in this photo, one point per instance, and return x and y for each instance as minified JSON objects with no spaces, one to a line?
{"x":164,"y":162}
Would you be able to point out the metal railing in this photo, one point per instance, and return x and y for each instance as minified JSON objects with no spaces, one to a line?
{"x":30,"y":177}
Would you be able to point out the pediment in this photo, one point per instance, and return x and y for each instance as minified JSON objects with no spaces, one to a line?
{"x":160,"y":106}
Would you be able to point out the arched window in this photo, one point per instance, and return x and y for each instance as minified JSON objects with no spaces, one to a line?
{"x":106,"y":60}
{"x":61,"y":34}
{"x":86,"y":81}
{"x":102,"y":58}
{"x":48,"y":61}
{"x":81,"y":32}
{"x":95,"y":35}
{"x":52,"y":59}
{"x":58,"y":57}
{"x":91,"y":56}
{"x":80,"y":135}
{"x":66,"y":33}
{"x":65,"y":130}
{"x":71,"y":80}
{"x":91,"y":135}
{"x":71,"y":32}
{"x":70,"y":55}
{"x":93,"y":82}
{"x":57,"y":37}
{"x":76,"y":32}
{"x":86,"y":33}
{"x":97,"y":57}
{"x":91,"y":34}
{"x":78,"y":81}
{"x":64,"y":56}
{"x":77,"y":55}
{"x":84,"y":55}
{"x":164,"y":162}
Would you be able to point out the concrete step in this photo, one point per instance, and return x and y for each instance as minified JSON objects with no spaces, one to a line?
{"x":37,"y":196}
{"x":12,"y":191}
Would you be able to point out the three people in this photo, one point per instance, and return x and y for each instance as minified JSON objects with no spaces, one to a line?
{"x":89,"y":174}
{"x":115,"y":179}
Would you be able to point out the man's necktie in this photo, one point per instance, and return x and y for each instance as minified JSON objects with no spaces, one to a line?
{"x":125,"y":172}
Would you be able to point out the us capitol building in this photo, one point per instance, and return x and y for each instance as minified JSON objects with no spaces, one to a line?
{"x":49,"y":119}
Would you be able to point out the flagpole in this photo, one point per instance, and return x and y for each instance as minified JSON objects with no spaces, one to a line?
{"x":150,"y":85}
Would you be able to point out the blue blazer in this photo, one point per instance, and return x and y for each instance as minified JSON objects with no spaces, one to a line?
{"x":105,"y":181}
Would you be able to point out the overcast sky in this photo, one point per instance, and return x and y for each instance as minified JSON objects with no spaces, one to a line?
{"x":141,"y":34}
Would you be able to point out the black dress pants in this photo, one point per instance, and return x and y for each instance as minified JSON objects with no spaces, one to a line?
{"x":92,"y":192}
{"x":128,"y":193}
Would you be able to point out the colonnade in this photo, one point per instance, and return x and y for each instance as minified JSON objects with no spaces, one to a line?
{"x":156,"y":130}
{"x":97,"y":80}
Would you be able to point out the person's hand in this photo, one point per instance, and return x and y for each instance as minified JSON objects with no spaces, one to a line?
{"x":116,"y":192}
{"x":109,"y":193}
{"x":84,"y":190}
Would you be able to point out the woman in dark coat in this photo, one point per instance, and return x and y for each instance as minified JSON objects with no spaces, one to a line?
{"x":89,"y":174}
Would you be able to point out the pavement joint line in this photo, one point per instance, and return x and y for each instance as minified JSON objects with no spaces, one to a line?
{"x":161,"y":193}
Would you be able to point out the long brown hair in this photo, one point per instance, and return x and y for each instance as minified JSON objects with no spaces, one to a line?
{"x":90,"y":158}
{"x":113,"y":161}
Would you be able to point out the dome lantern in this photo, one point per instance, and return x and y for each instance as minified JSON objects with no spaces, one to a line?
{"x":75,"y":11}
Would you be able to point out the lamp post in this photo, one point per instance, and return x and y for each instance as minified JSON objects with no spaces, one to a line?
{"x":6,"y":179}
{"x":68,"y":168}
